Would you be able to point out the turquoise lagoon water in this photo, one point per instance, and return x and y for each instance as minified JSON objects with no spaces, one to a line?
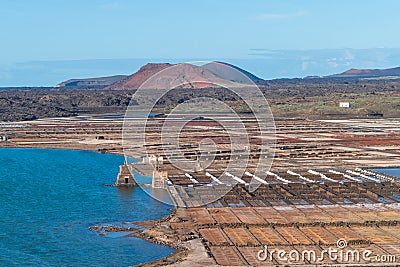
{"x":49,"y":198}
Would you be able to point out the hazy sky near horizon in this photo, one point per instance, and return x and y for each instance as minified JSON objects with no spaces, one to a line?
{"x":54,"y":30}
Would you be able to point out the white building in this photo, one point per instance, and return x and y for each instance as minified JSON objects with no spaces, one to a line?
{"x":345,"y":104}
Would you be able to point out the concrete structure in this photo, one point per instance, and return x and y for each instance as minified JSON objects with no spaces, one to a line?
{"x":345,"y":104}
{"x":197,"y":167}
{"x":153,"y":159}
{"x":125,"y":176}
{"x":159,"y":179}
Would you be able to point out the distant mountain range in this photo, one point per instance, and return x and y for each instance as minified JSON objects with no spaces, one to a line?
{"x":210,"y":74}
{"x":92,"y":82}
{"x":368,"y":73}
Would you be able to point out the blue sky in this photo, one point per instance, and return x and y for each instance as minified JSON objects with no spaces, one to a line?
{"x":36,"y":34}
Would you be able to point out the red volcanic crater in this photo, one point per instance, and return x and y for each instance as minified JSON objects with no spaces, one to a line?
{"x":214,"y":74}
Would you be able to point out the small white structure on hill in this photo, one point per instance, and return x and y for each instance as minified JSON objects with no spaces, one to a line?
{"x":345,"y":104}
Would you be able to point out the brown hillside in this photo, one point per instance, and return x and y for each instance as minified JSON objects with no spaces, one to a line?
{"x":135,"y":80}
{"x":173,"y":76}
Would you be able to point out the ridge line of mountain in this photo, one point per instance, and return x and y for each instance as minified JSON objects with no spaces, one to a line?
{"x":216,"y":70}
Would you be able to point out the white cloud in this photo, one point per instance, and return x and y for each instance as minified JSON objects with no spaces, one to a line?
{"x":348,"y":55}
{"x":306,"y":65}
{"x":274,"y":16}
{"x":333,"y":64}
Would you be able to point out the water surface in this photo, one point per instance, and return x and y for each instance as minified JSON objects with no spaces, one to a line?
{"x":389,"y":171}
{"x":50,"y":197}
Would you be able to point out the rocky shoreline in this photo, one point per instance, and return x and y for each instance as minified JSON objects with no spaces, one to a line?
{"x":155,"y":231}
{"x":189,"y":249}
